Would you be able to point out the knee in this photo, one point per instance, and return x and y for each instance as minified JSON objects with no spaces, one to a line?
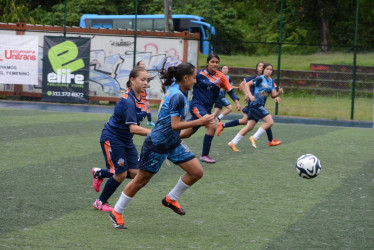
{"x":198,"y":174}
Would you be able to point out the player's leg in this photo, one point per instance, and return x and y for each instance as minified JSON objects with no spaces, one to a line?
{"x":149,"y":115}
{"x":147,"y":168}
{"x":268,"y":122}
{"x":184,"y":158}
{"x":250,"y":125}
{"x":271,"y":141}
{"x":228,"y":109}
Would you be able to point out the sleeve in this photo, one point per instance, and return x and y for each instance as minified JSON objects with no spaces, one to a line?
{"x":129,"y":112}
{"x":176,"y":105}
{"x":225,"y":82}
{"x":257,"y":80}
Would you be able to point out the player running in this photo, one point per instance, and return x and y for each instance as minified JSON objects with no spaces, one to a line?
{"x":164,"y":142}
{"x":264,"y":86}
{"x":244,"y":119}
{"x":205,"y":92}
{"x":116,"y":141}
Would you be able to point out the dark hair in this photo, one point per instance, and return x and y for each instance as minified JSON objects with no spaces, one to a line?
{"x":138,"y":63}
{"x":259,"y":73}
{"x":265,"y":66}
{"x":134,"y":74}
{"x":176,"y":72}
{"x":211,"y":56}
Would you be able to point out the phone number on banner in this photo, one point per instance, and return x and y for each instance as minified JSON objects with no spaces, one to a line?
{"x":62,"y":93}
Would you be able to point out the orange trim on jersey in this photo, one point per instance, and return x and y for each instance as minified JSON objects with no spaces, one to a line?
{"x":125,"y":95}
{"x":223,"y":82}
{"x":196,"y":112}
{"x":108,"y":158}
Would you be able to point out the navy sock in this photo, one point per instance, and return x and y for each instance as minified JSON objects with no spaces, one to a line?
{"x":270,"y":134}
{"x":110,"y":187}
{"x":105,"y":173}
{"x":231,"y":124}
{"x":149,"y":116}
{"x":206,"y":145}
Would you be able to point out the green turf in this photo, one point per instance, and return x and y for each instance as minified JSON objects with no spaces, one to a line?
{"x":252,"y":199}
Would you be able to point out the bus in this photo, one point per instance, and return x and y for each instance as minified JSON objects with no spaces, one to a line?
{"x":191,"y":23}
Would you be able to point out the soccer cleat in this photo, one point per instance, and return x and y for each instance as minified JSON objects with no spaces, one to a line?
{"x":174,"y":205}
{"x":274,"y":142}
{"x":232,"y":146}
{"x":253,"y":141}
{"x":151,"y":124}
{"x":98,"y":204}
{"x":117,"y":220}
{"x":96,"y":180}
{"x":219,"y":128}
{"x":207,"y":159}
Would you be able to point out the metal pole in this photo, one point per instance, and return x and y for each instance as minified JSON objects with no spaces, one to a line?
{"x":210,"y":28}
{"x":135,"y":30}
{"x":354,"y":62}
{"x":279,"y":53}
{"x":65,"y":19}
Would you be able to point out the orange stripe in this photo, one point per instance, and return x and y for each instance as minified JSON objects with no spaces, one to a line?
{"x":109,"y":159}
{"x":196,"y":112}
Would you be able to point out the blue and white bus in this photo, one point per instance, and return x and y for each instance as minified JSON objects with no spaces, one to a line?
{"x":181,"y":23}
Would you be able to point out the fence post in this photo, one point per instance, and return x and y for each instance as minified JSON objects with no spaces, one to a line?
{"x":279,"y":53}
{"x":354,"y":61}
{"x":135,"y":29}
{"x":65,"y":19}
{"x":210,"y":28}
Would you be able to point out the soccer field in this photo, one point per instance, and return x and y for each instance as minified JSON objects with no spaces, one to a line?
{"x":252,"y":199}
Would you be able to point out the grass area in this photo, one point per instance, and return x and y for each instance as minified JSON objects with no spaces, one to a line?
{"x":252,"y":199}
{"x":295,"y":62}
{"x":325,"y":107}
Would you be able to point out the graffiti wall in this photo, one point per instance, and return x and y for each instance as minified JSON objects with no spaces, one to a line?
{"x":112,"y":58}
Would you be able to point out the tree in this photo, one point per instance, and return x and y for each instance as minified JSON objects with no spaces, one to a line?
{"x":168,"y":6}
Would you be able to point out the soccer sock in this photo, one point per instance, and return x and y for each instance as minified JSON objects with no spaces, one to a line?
{"x":258,"y":133}
{"x":237,"y":139}
{"x":105,"y":173}
{"x":149,"y":116}
{"x":231,"y":124}
{"x":110,"y":187}
{"x":220,"y":116}
{"x":269,"y":134}
{"x":178,"y":190}
{"x":122,"y":203}
{"x":206,"y":145}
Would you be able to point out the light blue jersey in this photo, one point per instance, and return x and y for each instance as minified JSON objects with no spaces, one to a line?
{"x":163,"y":139}
{"x":263,"y":88}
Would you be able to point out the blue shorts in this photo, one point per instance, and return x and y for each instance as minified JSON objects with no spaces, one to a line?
{"x":221,"y":102}
{"x":151,"y":161}
{"x":256,"y":113}
{"x":197,"y":111}
{"x":120,"y":158}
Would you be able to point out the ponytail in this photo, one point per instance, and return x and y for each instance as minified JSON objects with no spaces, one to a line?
{"x":175,"y":73}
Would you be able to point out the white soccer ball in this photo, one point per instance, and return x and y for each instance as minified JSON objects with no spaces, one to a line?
{"x":308,"y":166}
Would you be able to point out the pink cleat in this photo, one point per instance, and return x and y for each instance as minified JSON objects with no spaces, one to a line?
{"x":207,"y":159}
{"x":96,"y":180}
{"x":98,"y":204}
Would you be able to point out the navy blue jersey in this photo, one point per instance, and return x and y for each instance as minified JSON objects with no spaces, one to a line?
{"x":207,"y":87}
{"x":162,"y":138}
{"x":262,"y":89}
{"x":129,"y":110}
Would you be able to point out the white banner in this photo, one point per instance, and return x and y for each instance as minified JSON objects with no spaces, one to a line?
{"x":19,"y":59}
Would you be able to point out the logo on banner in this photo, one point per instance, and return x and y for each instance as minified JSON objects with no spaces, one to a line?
{"x":63,"y":59}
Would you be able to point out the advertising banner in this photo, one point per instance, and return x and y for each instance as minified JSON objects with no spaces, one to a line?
{"x":19,"y":59}
{"x":66,"y":69}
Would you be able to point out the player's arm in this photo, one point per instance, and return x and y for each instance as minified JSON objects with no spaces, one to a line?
{"x":137,"y":130}
{"x":275,"y":93}
{"x":248,"y":93}
{"x":230,"y":91}
{"x":178,"y":124}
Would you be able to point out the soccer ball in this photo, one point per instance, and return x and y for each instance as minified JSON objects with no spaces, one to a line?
{"x":308,"y":166}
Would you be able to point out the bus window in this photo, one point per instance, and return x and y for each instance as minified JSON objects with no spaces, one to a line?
{"x":145,"y":24}
{"x":159,"y":24}
{"x":123,"y":24}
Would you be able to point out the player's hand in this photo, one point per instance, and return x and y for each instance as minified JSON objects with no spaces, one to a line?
{"x":277,"y":99}
{"x":238,"y":107}
{"x":246,"y":98}
{"x":252,"y":98}
{"x":280,"y":90}
{"x":206,"y":119}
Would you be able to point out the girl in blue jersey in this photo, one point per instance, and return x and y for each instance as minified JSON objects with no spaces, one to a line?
{"x":205,"y":92}
{"x":144,"y":94}
{"x":116,"y":139}
{"x":164,"y":142}
{"x":264,"y":86}
{"x":244,"y":119}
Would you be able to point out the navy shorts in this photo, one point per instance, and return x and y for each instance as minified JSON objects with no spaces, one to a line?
{"x":197,"y":111}
{"x":151,"y":161}
{"x":120,"y":158}
{"x":256,"y":113}
{"x":221,"y":102}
